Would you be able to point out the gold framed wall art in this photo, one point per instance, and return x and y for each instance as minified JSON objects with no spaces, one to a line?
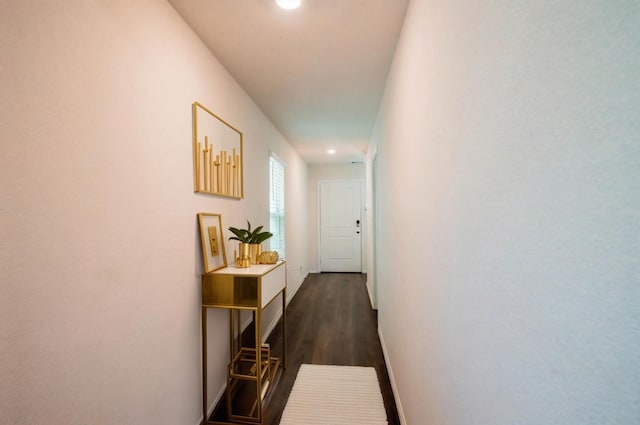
{"x":213,"y":252}
{"x":217,"y":155}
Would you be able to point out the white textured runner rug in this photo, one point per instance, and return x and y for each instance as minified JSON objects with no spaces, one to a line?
{"x":335,"y":395}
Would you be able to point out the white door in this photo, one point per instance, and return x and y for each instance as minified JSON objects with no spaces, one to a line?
{"x":340,"y":226}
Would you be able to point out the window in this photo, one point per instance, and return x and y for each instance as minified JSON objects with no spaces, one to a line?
{"x":276,"y":206}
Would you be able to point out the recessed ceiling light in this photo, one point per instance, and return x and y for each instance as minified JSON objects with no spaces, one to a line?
{"x":331,"y":151}
{"x":289,"y":4}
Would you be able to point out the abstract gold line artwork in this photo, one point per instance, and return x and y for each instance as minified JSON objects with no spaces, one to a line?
{"x":217,"y":155}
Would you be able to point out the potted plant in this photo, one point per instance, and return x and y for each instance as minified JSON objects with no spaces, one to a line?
{"x":250,"y":243}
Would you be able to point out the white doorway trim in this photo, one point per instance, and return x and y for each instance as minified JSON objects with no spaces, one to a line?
{"x":360,"y":183}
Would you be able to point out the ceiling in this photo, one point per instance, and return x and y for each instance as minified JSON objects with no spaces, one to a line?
{"x":318,"y":72}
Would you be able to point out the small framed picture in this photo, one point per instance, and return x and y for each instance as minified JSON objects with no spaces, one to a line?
{"x":213,"y":251}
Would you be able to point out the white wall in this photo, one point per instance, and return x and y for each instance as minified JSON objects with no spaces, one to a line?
{"x":508,"y":144}
{"x":317,"y":173}
{"x":297,"y":231}
{"x":99,"y":246}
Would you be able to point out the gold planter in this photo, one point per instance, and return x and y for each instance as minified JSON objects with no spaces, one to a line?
{"x":255,"y":249}
{"x":243,"y":259}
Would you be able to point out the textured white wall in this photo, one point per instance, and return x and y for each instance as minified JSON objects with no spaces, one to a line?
{"x":99,"y":247}
{"x":509,"y":148}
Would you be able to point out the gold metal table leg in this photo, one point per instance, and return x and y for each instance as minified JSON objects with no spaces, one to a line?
{"x":204,"y":366}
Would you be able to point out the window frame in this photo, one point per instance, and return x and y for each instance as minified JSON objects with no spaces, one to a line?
{"x":277,"y":205}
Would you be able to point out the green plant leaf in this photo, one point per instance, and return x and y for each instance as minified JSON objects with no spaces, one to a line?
{"x":255,"y":233}
{"x":256,"y":236}
{"x":261,"y":237}
{"x":240,"y":235}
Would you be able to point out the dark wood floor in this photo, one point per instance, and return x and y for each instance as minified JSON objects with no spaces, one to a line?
{"x":329,"y":321}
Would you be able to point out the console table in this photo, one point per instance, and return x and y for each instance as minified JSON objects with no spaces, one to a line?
{"x":251,"y":372}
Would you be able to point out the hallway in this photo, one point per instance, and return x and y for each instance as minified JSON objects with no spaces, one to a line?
{"x":329,"y":321}
{"x":501,"y":213}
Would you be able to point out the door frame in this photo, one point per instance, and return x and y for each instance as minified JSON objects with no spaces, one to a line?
{"x":374,"y":231}
{"x":363,"y":233}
